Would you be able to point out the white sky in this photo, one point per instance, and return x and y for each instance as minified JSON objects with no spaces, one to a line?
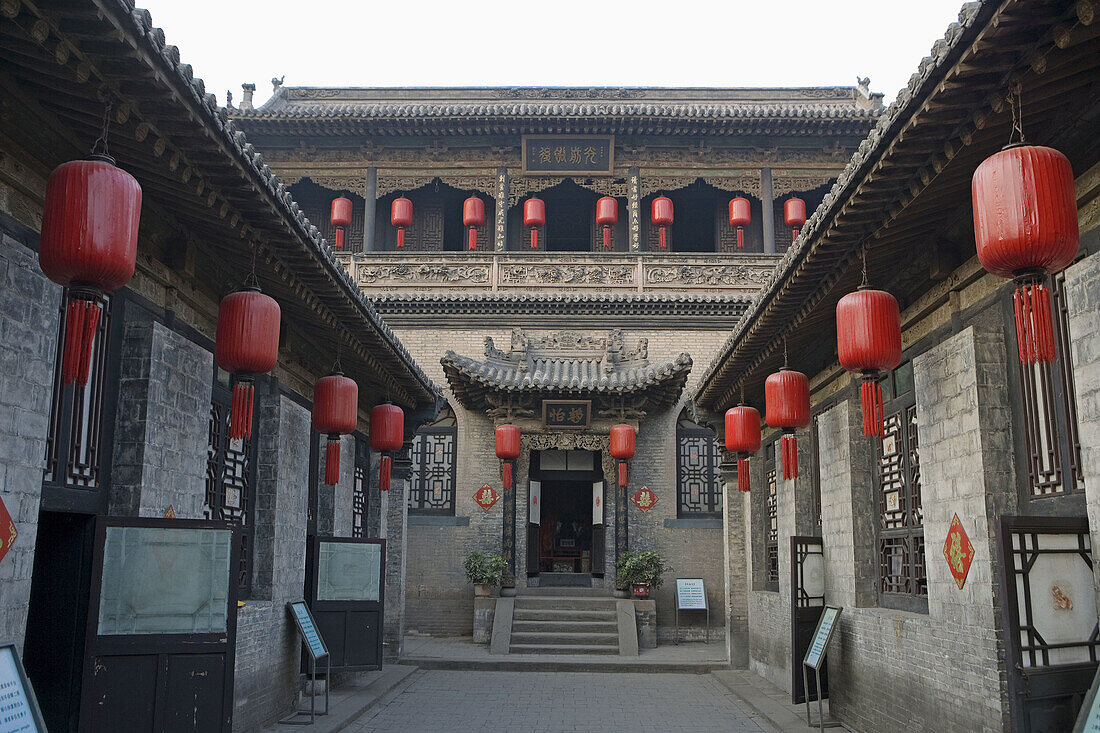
{"x":558,"y":42}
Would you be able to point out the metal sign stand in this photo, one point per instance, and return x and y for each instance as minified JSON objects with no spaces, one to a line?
{"x":691,"y":595}
{"x":815,"y":656}
{"x":315,"y":645}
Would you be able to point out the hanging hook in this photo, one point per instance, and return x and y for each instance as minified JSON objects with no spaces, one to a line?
{"x":250,"y":280}
{"x":1017,"y":107}
{"x":99,"y":147}
{"x":784,"y":352}
{"x":863,"y":255}
{"x":337,"y":367}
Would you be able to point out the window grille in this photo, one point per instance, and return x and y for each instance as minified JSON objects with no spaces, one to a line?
{"x":902,"y":578}
{"x":360,"y":488}
{"x":771,"y":541}
{"x":432,"y":490}
{"x":699,"y":492}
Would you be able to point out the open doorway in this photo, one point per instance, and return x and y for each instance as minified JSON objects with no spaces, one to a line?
{"x":566,"y":533}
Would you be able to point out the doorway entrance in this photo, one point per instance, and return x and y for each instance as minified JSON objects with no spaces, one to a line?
{"x":565,"y":532}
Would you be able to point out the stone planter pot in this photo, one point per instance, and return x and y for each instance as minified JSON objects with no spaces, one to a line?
{"x":641,"y":591}
{"x":620,"y":593}
{"x":482,"y":590}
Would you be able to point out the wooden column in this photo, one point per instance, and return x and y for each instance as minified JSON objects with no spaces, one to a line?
{"x":634,"y":209}
{"x":508,"y":539}
{"x":767,"y":205}
{"x":370,"y":201}
{"x":500,"y":229}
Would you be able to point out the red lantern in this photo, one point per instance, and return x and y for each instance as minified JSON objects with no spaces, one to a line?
{"x":401,"y":216}
{"x":743,"y":438}
{"x":1025,"y":226}
{"x":335,"y":413}
{"x":661,"y":216}
{"x":534,"y":216}
{"x":387,"y":434}
{"x":622,"y":447}
{"x":246,"y":344}
{"x":507,"y":437}
{"x":740,"y":217}
{"x":794,"y":215}
{"x":341,"y":218}
{"x":89,"y":245}
{"x":868,"y":341}
{"x":607,"y":216}
{"x":473,"y":216}
{"x":787,"y":406}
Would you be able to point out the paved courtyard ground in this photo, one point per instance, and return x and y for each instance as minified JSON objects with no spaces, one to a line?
{"x":538,"y":702}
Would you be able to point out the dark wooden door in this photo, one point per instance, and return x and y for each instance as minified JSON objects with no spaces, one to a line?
{"x":599,"y":531}
{"x":161,"y":626}
{"x":1049,"y":618}
{"x":347,"y":598}
{"x":807,"y":603}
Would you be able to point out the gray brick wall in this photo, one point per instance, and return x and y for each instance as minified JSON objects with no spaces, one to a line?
{"x":28,"y":323}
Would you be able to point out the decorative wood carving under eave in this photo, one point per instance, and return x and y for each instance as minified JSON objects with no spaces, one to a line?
{"x":485,"y":183}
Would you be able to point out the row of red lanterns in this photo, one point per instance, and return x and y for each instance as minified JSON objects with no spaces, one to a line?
{"x":534,"y":217}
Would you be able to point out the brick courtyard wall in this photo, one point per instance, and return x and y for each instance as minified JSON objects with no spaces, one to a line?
{"x":29,"y":306}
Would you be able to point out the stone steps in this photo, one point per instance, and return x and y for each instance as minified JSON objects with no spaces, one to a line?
{"x":564,"y":624}
{"x":553,"y":626}
{"x":566,"y":638}
{"x":561,"y":614}
{"x":565,"y":603}
{"x":562,"y":649}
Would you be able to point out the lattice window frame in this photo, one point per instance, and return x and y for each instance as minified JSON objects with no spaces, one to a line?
{"x":439,"y":471}
{"x":771,"y":526}
{"x":698,"y":488}
{"x":901,"y":564}
{"x":360,"y":512}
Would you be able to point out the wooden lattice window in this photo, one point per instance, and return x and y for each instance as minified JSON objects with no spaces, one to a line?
{"x":1053,"y":444}
{"x":75,"y":450}
{"x":771,"y":535}
{"x":902,"y":577}
{"x":231,"y":479}
{"x":698,"y":490}
{"x":360,"y":487}
{"x":432,"y":489}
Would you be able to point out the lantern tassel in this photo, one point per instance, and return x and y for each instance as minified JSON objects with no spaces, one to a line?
{"x":1034,"y":326}
{"x":81,"y":322}
{"x":339,"y":237}
{"x":743,"y":474}
{"x":506,"y":470}
{"x":870,"y":393}
{"x":794,"y":234}
{"x":240,"y":413}
{"x":662,"y":242}
{"x":607,"y":237}
{"x":534,"y":238}
{"x":332,"y":461}
{"x":622,"y":473}
{"x":384,"y":474}
{"x":741,"y":242}
{"x":790,"y":457}
{"x":473,"y":239}
{"x":401,"y":237}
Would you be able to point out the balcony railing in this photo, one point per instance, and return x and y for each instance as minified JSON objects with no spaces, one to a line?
{"x":619,"y":273}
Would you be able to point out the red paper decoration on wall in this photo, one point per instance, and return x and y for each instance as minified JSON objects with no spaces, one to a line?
{"x":387,"y":434}
{"x":340,"y":216}
{"x":868,"y":341}
{"x":661,"y":216}
{"x":246,"y":344}
{"x":473,"y":216}
{"x":508,"y":450}
{"x":607,"y":216}
{"x":401,"y":216}
{"x":787,"y":406}
{"x":335,"y":413}
{"x":743,"y":438}
{"x":740,"y":217}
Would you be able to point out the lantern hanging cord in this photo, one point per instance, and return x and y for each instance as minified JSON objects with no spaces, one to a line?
{"x":1016,"y":135}
{"x":784,"y":352}
{"x":99,"y":147}
{"x":863,"y":255}
{"x":251,"y":281}
{"x":337,"y":367}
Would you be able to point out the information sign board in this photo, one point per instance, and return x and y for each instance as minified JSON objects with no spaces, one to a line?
{"x":1088,"y":719}
{"x":19,"y":711}
{"x":308,"y":629}
{"x":816,"y":653}
{"x":690,"y":594}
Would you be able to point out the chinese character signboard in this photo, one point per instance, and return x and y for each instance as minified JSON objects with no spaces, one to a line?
{"x":958,"y":551}
{"x":644,"y":498}
{"x":7,"y":530}
{"x":591,"y":155}
{"x":486,"y":496}
{"x":566,"y":414}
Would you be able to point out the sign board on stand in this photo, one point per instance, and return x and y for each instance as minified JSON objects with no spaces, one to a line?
{"x":315,"y":645}
{"x":691,"y":595}
{"x":815,"y":655}
{"x":19,"y":711}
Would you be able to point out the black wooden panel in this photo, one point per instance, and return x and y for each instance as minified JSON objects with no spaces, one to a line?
{"x":122,"y":694}
{"x":194,"y":693}
{"x":330,"y":624}
{"x":532,"y":550}
{"x":361,"y":638}
{"x":599,"y":532}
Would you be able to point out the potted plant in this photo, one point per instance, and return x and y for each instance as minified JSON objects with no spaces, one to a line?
{"x":484,"y":570}
{"x":622,"y":581}
{"x":640,"y":571}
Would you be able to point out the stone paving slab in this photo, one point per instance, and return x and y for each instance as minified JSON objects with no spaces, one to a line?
{"x":350,"y":700}
{"x":769,"y":701}
{"x":545,"y":702}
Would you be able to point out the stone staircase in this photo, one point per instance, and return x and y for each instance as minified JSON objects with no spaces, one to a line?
{"x":568,"y":621}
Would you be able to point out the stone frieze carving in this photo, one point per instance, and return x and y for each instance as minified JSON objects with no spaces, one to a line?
{"x":566,"y":441}
{"x":367,"y":274}
{"x":518,"y":275}
{"x":714,"y":275}
{"x":307,"y":93}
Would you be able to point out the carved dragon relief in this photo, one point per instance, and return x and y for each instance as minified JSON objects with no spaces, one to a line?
{"x":728,"y":275}
{"x":366,"y":274}
{"x":521,"y":275}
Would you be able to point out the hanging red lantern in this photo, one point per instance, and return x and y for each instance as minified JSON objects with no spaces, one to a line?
{"x":740,"y":217}
{"x":401,"y":216}
{"x":534,"y":217}
{"x":88,"y":245}
{"x":607,"y":216}
{"x":1025,"y":227}
{"x":661,"y":216}
{"x":622,"y":447}
{"x":246,"y":344}
{"x":794,"y":215}
{"x":743,"y":438}
{"x":335,"y":413}
{"x":868,"y":341}
{"x":387,"y":434}
{"x":473,"y":216}
{"x":507,"y":439}
{"x":341,"y":218}
{"x":787,"y":406}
